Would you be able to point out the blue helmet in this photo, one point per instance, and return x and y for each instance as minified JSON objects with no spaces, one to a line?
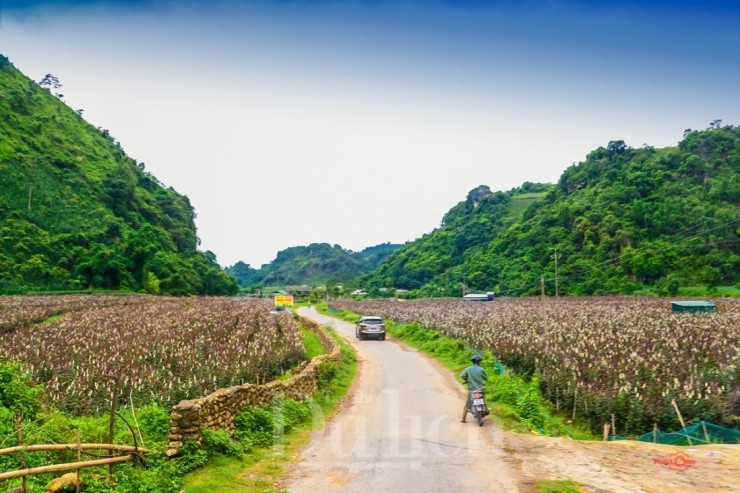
{"x":476,"y":359}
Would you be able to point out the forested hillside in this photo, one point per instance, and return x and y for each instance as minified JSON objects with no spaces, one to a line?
{"x":315,"y":264}
{"x":435,"y":261}
{"x":76,"y":212}
{"x":621,"y":221}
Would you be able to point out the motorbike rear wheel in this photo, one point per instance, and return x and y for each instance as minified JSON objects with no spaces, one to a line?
{"x":479,"y":416}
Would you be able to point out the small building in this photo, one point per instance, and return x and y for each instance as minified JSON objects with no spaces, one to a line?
{"x":478,"y":297}
{"x":303,"y":289}
{"x":693,"y":307}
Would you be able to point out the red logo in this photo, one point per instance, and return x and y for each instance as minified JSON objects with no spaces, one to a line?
{"x":676,"y":462}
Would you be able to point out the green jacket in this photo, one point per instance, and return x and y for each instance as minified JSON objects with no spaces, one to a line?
{"x":475,"y":376}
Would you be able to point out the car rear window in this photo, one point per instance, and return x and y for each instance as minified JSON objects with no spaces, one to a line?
{"x":372,"y":320}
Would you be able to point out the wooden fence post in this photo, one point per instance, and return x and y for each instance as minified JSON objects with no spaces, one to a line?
{"x":575,"y":400}
{"x":680,"y":418}
{"x":79,"y":455}
{"x":19,"y":424}
{"x":112,"y":422}
{"x":706,"y":435}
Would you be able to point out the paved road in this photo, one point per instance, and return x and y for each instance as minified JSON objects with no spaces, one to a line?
{"x":400,"y":431}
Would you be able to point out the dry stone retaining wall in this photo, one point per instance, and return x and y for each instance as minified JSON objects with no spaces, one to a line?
{"x":218,"y":410}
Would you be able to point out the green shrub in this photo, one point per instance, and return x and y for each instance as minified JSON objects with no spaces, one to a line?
{"x":191,"y":457}
{"x":161,"y":475}
{"x":255,"y":427}
{"x":154,"y":423}
{"x":219,"y":442}
{"x":325,"y":373}
{"x":529,"y":405}
{"x":506,"y":389}
{"x":17,"y":395}
{"x":293,"y":413}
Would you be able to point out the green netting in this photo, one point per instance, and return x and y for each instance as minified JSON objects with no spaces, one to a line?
{"x":697,"y":434}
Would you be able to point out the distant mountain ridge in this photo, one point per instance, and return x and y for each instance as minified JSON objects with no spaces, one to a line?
{"x":622,"y":221}
{"x":77,"y":213}
{"x":315,"y":264}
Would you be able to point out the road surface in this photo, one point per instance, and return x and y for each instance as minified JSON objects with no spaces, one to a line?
{"x":399,"y":430}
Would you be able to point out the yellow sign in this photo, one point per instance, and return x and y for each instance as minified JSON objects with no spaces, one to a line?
{"x":283,"y":300}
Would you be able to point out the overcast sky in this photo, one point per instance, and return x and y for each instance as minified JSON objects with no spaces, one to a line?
{"x":362,"y":122}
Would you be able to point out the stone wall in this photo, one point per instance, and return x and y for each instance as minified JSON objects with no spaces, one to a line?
{"x":218,"y":410}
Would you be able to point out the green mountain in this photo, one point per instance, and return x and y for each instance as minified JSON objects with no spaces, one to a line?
{"x":77,"y":213}
{"x":315,"y":264}
{"x":435,"y":261}
{"x":621,"y":221}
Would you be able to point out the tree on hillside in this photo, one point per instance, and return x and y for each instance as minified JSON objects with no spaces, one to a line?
{"x":51,"y":82}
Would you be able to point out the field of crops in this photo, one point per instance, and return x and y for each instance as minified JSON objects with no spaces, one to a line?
{"x":159,"y":349}
{"x":17,"y":311}
{"x":626,"y":356}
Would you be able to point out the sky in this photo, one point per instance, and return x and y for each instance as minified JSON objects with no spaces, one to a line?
{"x":362,"y":122}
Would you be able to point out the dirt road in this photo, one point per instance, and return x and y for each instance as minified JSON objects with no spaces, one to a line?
{"x":400,"y":430}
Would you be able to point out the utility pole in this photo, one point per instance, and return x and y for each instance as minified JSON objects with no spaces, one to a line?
{"x":542,"y":286}
{"x":556,"y":272}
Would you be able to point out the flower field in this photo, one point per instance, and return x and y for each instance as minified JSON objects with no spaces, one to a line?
{"x":624,"y":356}
{"x":160,"y":349}
{"x":16,"y":311}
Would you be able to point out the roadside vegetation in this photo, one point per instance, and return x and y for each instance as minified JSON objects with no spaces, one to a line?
{"x":557,"y":486}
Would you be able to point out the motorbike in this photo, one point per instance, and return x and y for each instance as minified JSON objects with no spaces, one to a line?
{"x":477,"y":405}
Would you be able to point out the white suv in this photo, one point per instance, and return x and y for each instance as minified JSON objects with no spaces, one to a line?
{"x":370,"y":327}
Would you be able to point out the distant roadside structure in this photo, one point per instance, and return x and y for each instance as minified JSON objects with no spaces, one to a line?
{"x":283,"y":300}
{"x":693,"y":307}
{"x":489,"y":296}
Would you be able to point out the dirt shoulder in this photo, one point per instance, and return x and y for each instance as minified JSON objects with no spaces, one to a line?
{"x":627,"y":466}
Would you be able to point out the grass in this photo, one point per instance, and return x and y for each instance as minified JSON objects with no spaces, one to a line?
{"x":312,"y":344}
{"x":704,"y":292}
{"x":511,"y":398}
{"x":257,"y":471}
{"x":520,"y":202}
{"x":313,"y":347}
{"x":53,"y":318}
{"x":224,"y":474}
{"x":557,"y":486}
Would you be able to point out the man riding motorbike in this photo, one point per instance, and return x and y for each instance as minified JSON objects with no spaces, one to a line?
{"x":475,"y":377}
